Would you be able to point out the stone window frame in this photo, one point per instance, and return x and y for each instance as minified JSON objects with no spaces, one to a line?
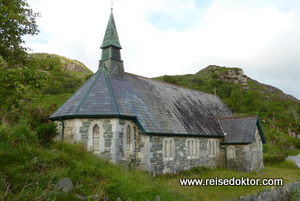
{"x":128,"y":148}
{"x":101,"y":137}
{"x":213,"y":147}
{"x":192,"y":148}
{"x":168,"y":150}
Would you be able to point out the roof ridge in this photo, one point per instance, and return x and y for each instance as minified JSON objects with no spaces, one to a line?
{"x":86,"y":93}
{"x":171,"y":84}
{"x":111,"y":92}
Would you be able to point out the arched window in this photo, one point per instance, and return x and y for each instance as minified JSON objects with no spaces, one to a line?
{"x":231,"y":152}
{"x":165,"y":148}
{"x":213,"y":148}
{"x":192,"y":148}
{"x":188,"y":148}
{"x":128,"y":138}
{"x":197,"y":148}
{"x":209,"y":148}
{"x":171,"y":148}
{"x":96,"y":138}
{"x":168,"y":149}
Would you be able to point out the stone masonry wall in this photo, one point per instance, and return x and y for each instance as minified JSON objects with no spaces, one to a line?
{"x":180,"y":161}
{"x":147,"y":150}
{"x":242,"y":160}
{"x":247,"y":157}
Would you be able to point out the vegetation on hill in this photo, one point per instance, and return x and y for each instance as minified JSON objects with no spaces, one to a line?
{"x":62,"y":75}
{"x":17,"y":72}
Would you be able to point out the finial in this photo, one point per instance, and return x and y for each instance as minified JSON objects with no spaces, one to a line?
{"x":111,"y":6}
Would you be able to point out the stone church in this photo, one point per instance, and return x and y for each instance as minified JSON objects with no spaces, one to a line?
{"x":155,"y":126}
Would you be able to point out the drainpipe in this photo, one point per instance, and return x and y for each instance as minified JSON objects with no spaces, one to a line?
{"x":225,"y":148}
{"x":62,"y":129}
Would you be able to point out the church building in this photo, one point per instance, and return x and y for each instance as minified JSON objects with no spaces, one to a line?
{"x":155,"y":126}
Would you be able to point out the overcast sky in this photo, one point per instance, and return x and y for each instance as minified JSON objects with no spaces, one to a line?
{"x":174,"y":37}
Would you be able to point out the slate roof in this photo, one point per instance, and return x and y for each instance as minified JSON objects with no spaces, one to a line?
{"x":157,"y":107}
{"x":241,"y":129}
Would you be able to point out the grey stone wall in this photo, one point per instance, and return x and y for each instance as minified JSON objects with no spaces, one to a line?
{"x":242,"y":159}
{"x":180,"y":160}
{"x":148,"y":149}
{"x":247,"y":157}
{"x":290,"y":191}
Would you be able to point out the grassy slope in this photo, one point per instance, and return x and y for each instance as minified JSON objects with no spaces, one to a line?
{"x":29,"y":171}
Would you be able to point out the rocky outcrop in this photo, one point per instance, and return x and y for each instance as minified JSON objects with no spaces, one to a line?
{"x":237,"y":76}
{"x":231,"y":75}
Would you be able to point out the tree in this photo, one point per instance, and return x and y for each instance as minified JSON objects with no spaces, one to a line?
{"x":16,"y":20}
{"x":18,"y":72}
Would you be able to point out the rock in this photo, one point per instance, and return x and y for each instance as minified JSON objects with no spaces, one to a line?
{"x":157,"y":198}
{"x":64,"y":185}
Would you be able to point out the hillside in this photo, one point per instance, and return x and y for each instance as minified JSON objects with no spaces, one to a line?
{"x":241,"y":93}
{"x":68,"y":65}
{"x":63,"y":75}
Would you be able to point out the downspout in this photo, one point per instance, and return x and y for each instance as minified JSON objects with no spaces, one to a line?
{"x":62,"y":129}
{"x":225,"y":148}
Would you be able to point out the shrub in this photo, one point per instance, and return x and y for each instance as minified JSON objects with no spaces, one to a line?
{"x":273,"y":159}
{"x":19,"y":135}
{"x":46,"y":133}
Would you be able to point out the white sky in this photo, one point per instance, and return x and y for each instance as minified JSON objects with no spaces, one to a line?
{"x":174,"y":37}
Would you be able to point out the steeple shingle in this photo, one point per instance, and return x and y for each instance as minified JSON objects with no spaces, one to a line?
{"x":111,"y":35}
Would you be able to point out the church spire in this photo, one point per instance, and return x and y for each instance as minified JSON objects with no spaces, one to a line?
{"x":111,"y":34}
{"x":111,"y":55}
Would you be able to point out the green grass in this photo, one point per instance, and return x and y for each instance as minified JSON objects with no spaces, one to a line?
{"x":29,"y":171}
{"x":285,"y":170}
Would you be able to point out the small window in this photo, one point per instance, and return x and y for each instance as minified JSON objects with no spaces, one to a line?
{"x":197,"y":153}
{"x":231,"y":152}
{"x":96,"y":138}
{"x":192,"y":148}
{"x":168,"y":149}
{"x":128,"y":138}
{"x":213,"y":147}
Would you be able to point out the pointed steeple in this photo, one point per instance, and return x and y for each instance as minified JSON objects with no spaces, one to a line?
{"x":111,"y":55}
{"x":111,"y":34}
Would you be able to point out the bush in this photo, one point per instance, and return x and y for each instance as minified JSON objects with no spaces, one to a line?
{"x":273,"y":159}
{"x":46,"y":133}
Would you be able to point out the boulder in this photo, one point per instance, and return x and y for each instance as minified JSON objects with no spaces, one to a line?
{"x":64,"y":185}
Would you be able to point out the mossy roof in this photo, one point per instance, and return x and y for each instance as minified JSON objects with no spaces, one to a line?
{"x":157,"y":107}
